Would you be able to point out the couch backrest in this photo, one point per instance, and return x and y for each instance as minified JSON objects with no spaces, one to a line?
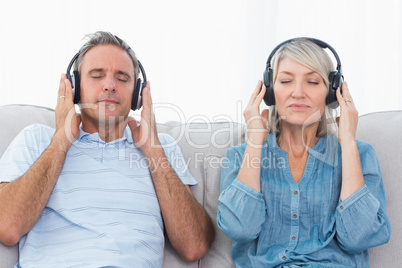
{"x":383,"y":130}
{"x":203,"y":145}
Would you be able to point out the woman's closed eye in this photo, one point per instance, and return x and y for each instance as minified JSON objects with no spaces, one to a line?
{"x":285,"y":81}
{"x":314,"y":82}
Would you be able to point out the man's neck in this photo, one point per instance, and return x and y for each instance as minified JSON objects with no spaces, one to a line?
{"x":108,"y":131}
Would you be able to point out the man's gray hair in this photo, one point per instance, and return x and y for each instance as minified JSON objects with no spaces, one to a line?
{"x":105,"y":38}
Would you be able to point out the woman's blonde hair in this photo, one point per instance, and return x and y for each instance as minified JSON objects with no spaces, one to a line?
{"x":315,"y":58}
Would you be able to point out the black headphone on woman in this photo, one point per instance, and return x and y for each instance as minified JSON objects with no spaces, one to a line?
{"x":74,"y":77}
{"x":335,"y":77}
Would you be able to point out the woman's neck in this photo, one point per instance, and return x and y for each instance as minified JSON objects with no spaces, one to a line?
{"x":297,"y":140}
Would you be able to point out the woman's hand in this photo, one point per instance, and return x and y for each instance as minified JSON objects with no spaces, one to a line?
{"x":256,"y":122}
{"x":352,"y":175}
{"x":347,"y":122}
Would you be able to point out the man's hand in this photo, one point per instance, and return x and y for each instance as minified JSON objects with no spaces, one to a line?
{"x":187,"y":224}
{"x":145,"y":135}
{"x":67,"y":121}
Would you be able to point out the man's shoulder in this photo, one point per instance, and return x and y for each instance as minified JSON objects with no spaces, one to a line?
{"x":39,"y":128}
{"x":37,"y":131}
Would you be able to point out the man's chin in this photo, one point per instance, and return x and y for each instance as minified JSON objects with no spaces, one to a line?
{"x":105,"y":116}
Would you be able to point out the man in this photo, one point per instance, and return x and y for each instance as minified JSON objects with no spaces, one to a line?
{"x":94,"y":194}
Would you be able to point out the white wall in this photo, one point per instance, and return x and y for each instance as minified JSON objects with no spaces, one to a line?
{"x":203,"y":58}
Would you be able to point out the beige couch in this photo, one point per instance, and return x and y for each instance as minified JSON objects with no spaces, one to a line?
{"x":204,"y":144}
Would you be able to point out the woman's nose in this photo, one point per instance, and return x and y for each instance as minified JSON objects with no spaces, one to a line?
{"x":298,"y":91}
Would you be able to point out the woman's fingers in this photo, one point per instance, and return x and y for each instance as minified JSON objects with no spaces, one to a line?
{"x":345,"y":98}
{"x":255,"y":93}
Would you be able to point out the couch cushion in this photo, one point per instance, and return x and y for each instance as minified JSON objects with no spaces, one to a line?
{"x":383,"y":131}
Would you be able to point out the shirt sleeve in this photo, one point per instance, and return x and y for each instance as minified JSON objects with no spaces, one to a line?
{"x":361,"y":219}
{"x":176,"y":159}
{"x":242,"y":209}
{"x":23,"y":151}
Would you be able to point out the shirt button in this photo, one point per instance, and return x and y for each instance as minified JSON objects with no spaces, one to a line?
{"x":293,"y":237}
{"x":294,"y":216}
{"x":284,"y":258}
{"x":341,"y":207}
{"x":296,"y":192}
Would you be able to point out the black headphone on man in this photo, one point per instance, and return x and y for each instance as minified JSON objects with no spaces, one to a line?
{"x":74,"y":77}
{"x":335,"y":77}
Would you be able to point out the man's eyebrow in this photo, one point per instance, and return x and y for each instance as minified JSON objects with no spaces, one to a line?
{"x":124,"y":73}
{"x":96,"y":70}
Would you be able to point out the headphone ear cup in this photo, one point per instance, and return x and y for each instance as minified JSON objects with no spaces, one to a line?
{"x":335,"y":82}
{"x":269,"y":97}
{"x":136,"y":102}
{"x":76,"y":85}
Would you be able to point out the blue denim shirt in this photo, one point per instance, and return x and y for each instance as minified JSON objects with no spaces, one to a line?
{"x":303,"y":224}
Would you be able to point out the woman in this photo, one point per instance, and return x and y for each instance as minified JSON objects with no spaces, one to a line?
{"x":301,"y":196}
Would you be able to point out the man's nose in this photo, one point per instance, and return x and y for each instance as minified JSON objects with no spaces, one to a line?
{"x":110,"y":84}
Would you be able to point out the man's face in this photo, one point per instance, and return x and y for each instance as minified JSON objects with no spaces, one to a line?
{"x":107,"y":85}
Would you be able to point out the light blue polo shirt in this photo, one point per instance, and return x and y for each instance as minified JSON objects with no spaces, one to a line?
{"x":103,"y":211}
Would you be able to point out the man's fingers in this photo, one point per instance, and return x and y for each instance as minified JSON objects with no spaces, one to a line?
{"x":132,"y":123}
{"x":146,"y":96}
{"x":62,"y":88}
{"x":68,"y":90}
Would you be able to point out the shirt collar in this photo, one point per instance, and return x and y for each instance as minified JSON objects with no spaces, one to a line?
{"x":94,"y":137}
{"x":319,"y":147}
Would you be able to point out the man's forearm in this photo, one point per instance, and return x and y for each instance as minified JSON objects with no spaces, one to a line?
{"x":23,"y":200}
{"x":187,"y":224}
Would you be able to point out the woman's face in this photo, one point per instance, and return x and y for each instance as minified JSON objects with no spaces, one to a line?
{"x":299,"y":93}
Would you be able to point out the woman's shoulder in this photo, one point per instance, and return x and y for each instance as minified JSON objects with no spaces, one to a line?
{"x":236,"y":149}
{"x":365,"y":148}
